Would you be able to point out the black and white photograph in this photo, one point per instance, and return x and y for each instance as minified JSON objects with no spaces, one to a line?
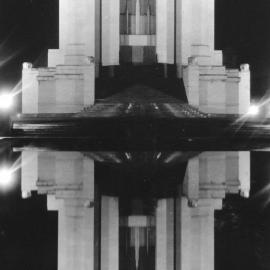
{"x":134,"y":134}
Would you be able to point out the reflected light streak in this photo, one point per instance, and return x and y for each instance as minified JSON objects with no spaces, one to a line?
{"x":17,"y":89}
{"x":264,"y":190}
{"x":264,"y":196}
{"x":9,"y":58}
{"x":266,"y":203}
{"x":7,"y":39}
{"x":173,"y":157}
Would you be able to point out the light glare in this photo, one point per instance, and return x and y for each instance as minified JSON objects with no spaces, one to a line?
{"x":6,"y":101}
{"x":5,"y":177}
{"x":253,"y":110}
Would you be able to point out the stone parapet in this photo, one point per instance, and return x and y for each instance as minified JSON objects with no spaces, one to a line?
{"x":217,"y":58}
{"x":238,"y":90}
{"x":214,"y":89}
{"x":66,"y":176}
{"x":55,"y":57}
{"x":60,"y":89}
{"x":244,"y":88}
{"x":213,"y":174}
{"x":29,"y":89}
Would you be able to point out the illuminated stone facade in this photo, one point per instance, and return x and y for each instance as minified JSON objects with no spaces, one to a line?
{"x":95,"y":34}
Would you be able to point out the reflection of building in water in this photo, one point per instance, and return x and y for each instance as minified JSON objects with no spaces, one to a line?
{"x":98,"y":230}
{"x":137,"y":242}
{"x":138,"y":31}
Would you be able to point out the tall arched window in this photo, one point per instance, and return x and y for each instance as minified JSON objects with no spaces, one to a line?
{"x":138,"y":17}
{"x":138,"y":31}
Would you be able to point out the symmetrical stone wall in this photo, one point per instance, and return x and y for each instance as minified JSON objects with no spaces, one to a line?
{"x":140,"y":32}
{"x":208,"y":175}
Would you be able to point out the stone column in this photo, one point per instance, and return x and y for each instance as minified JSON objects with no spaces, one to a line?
{"x":109,"y":233}
{"x":29,"y":89}
{"x":165,"y":26}
{"x":207,"y":178}
{"x":110,"y":32}
{"x":74,"y":199}
{"x":75,"y":236}
{"x":244,"y":88}
{"x":238,"y":172}
{"x":244,"y":173}
{"x":194,"y":31}
{"x":165,"y":235}
{"x":79,"y":24}
{"x":195,"y":234}
{"x":68,"y":179}
{"x":202,"y":193}
{"x":29,"y":172}
{"x":137,"y":17}
{"x":68,"y":85}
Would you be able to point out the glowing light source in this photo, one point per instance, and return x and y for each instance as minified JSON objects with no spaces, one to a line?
{"x":6,"y":101}
{"x":5,"y":177}
{"x":253,"y":110}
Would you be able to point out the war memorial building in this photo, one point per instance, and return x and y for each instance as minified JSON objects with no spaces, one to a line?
{"x":144,"y":54}
{"x":109,"y":46}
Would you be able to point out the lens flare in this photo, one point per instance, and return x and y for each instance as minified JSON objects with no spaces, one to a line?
{"x":253,"y":110}
{"x":6,"y":101}
{"x":5,"y":177}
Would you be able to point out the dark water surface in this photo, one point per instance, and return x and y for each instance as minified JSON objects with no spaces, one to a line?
{"x":134,"y":210}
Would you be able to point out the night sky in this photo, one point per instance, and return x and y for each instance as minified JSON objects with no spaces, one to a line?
{"x":244,"y":27}
{"x":29,"y":27}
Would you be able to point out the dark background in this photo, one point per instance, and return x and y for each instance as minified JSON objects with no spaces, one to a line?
{"x":29,"y":27}
{"x":243,"y":27}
